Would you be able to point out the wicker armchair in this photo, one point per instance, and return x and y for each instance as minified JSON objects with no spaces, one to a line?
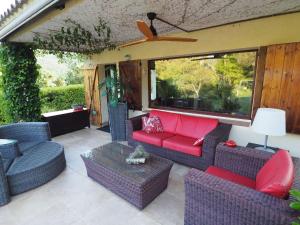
{"x":28,"y":158}
{"x":211,"y":200}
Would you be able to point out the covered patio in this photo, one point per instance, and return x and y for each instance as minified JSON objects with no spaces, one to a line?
{"x":191,"y":114}
{"x":73,"y":198}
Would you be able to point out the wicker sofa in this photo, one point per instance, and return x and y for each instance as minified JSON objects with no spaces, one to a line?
{"x":180,"y":132}
{"x":28,"y":158}
{"x":212,"y":200}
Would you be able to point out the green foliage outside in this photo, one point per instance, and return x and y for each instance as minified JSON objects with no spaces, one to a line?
{"x":53,"y":77}
{"x":60,"y":98}
{"x":216,"y":85}
{"x":19,"y":72}
{"x":52,"y":99}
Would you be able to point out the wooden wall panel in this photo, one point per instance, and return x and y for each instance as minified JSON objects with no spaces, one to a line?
{"x":89,"y":74}
{"x":131,"y":77}
{"x":259,"y":79}
{"x":281,"y":88}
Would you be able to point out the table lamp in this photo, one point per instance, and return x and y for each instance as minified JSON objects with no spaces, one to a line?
{"x":269,"y":121}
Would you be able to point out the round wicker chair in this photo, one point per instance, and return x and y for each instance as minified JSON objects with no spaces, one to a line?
{"x":28,"y":158}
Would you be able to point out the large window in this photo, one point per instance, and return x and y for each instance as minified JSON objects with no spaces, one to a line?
{"x":219,"y":83}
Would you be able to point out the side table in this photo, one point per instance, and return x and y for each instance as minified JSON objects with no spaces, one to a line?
{"x":253,"y":145}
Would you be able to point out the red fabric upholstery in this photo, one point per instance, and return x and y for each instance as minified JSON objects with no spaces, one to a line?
{"x":152,"y":138}
{"x":277,"y":175}
{"x":182,"y":144}
{"x":195,"y":127}
{"x":228,"y":175}
{"x":168,"y":120}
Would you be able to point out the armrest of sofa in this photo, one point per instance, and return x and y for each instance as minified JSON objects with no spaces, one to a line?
{"x":212,"y":139}
{"x":27,"y":131}
{"x":133,"y":124}
{"x":9,"y":148}
{"x":241,"y":160}
{"x":230,"y":203}
{"x":4,"y":191}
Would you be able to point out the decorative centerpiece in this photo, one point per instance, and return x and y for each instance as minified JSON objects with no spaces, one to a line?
{"x":77,"y":107}
{"x":138,"y":156}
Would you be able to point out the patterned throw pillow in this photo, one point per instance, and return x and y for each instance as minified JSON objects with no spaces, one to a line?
{"x":144,"y":122}
{"x":199,"y":142}
{"x":152,"y":124}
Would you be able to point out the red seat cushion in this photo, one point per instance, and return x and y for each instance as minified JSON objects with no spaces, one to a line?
{"x":168,"y":120}
{"x":182,"y":144}
{"x":233,"y":177}
{"x":196,"y":127}
{"x":277,"y":175}
{"x":151,"y":138}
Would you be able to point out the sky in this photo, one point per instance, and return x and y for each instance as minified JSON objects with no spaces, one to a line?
{"x":5,"y":4}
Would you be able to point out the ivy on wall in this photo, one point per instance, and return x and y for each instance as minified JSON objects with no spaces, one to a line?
{"x":19,"y":74}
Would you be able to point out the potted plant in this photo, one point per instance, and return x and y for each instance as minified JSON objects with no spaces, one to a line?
{"x":295,"y":204}
{"x":117,"y":104}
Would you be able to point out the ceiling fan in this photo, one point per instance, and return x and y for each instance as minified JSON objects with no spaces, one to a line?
{"x":150,"y":32}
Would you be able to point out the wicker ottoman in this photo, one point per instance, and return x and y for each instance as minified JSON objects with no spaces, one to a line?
{"x":138,"y":184}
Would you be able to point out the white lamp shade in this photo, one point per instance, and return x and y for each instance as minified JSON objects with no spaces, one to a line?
{"x":270,"y":121}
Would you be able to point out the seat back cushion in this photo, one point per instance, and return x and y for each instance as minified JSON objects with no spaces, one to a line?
{"x":168,"y":120}
{"x":277,"y":175}
{"x":195,"y":127}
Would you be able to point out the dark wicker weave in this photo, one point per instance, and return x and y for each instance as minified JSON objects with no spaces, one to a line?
{"x":211,"y":140}
{"x":210,"y":200}
{"x":138,"y":184}
{"x":28,"y":158}
{"x":117,"y":116}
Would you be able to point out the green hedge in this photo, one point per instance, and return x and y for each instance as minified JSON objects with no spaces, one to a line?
{"x":60,"y":98}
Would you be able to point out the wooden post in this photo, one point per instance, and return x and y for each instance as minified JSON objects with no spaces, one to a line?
{"x":95,"y":115}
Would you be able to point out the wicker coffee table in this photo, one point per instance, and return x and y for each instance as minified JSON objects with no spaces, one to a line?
{"x":138,"y":184}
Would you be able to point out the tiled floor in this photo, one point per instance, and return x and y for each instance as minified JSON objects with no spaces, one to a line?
{"x":73,"y":198}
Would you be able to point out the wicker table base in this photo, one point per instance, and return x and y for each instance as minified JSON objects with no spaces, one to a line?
{"x":138,"y":184}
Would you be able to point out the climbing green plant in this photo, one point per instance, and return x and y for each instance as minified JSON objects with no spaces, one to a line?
{"x":19,"y":76}
{"x":73,"y":37}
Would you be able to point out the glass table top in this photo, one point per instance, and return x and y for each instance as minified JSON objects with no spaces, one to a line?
{"x":113,"y":156}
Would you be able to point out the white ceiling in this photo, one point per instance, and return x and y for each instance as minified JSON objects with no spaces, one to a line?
{"x":189,"y":14}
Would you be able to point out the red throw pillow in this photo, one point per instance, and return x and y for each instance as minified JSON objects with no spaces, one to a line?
{"x":199,"y":142}
{"x":277,"y":175}
{"x":152,"y":125}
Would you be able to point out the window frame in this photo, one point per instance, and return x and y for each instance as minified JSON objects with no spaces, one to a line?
{"x":216,"y":114}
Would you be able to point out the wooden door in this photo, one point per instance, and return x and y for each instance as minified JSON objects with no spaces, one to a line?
{"x":95,"y":115}
{"x":281,"y":88}
{"x":131,"y":77}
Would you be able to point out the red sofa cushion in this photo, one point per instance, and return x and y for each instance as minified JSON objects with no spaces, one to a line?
{"x":277,"y":175}
{"x":152,"y":138}
{"x":233,"y":177}
{"x":168,"y":120}
{"x":196,"y":127}
{"x":182,"y":144}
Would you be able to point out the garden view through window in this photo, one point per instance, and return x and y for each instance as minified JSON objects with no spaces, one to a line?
{"x":220,"y":83}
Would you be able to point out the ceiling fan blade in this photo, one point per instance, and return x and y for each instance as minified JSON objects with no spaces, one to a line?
{"x":133,"y":43}
{"x":143,"y":27}
{"x":181,"y":39}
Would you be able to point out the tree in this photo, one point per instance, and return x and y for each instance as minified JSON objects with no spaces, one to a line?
{"x":187,"y":74}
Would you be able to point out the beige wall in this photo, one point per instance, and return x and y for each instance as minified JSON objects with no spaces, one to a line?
{"x":244,"y":35}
